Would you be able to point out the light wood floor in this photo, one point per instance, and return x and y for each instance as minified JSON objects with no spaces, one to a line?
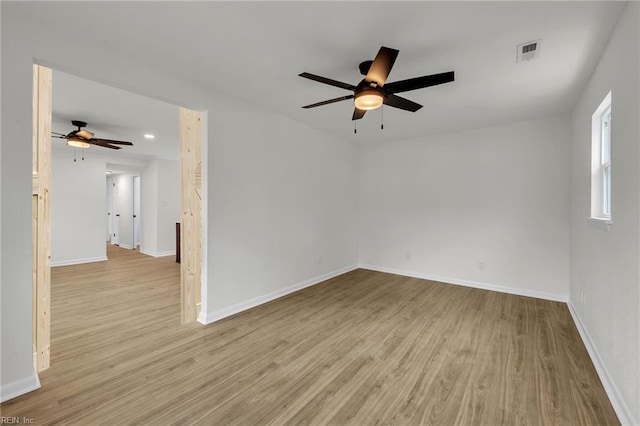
{"x":363,"y":348}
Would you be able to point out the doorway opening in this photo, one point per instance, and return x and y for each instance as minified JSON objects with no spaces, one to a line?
{"x":124,"y":220}
{"x":189,"y":212}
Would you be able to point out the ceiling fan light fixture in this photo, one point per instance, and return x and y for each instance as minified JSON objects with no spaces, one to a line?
{"x":369,"y":99}
{"x":78,"y":143}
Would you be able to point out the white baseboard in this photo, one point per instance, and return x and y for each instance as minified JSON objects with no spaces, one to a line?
{"x":621,"y":409}
{"x":19,"y":387}
{"x":157,"y":254}
{"x":78,"y":261}
{"x":124,"y":246}
{"x":468,"y":283}
{"x":202,"y":318}
{"x":208,"y":318}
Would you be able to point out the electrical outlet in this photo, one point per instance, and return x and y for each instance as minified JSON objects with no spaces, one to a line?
{"x":482,"y":266}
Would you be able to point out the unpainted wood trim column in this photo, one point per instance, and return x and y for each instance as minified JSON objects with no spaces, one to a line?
{"x":41,"y":190}
{"x":190,"y":223}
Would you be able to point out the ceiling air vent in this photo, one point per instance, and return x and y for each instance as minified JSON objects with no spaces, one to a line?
{"x":528,"y":51}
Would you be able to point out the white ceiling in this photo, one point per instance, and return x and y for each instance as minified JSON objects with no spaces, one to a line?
{"x":113,"y":113}
{"x":255,"y":50}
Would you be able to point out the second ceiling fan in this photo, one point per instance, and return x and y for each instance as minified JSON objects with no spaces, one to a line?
{"x":372,"y":92}
{"x":81,"y":138}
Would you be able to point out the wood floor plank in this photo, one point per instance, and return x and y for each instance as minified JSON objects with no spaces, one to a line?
{"x":362,"y":348}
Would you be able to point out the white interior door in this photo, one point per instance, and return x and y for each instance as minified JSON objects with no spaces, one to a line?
{"x":124,"y":213}
{"x":115,"y":213}
{"x":136,"y":212}
{"x":109,"y":207}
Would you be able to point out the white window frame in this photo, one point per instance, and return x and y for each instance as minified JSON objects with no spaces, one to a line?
{"x":601,"y":141}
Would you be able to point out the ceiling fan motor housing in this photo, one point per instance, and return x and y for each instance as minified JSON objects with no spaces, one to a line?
{"x":364,"y":67}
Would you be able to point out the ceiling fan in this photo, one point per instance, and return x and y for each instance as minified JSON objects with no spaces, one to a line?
{"x":372,"y":91}
{"x":84,"y":139}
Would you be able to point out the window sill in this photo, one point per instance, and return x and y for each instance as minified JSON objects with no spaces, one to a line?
{"x":600,"y":223}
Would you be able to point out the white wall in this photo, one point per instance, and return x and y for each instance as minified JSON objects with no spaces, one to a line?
{"x":281,"y":197}
{"x":605,"y":264}
{"x":439,"y":206}
{"x":282,"y":205}
{"x":16,"y":368}
{"x":149,"y":209}
{"x":78,"y":208}
{"x":168,"y":205}
{"x":160,"y":197}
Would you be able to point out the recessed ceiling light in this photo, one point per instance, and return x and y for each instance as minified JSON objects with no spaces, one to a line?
{"x":149,"y":136}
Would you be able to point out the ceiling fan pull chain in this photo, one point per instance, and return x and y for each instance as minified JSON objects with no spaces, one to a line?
{"x":355,"y":130}
{"x":382,"y":119}
{"x":74,"y":155}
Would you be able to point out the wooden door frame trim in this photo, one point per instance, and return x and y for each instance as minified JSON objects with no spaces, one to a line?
{"x":41,"y":186}
{"x":190,"y":129}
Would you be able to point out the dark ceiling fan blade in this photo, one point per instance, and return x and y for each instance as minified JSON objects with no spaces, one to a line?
{"x":111,"y":142}
{"x":99,"y":142}
{"x":401,"y":103}
{"x":381,"y":66}
{"x":358,"y":113}
{"x":419,"y":82}
{"x":330,"y":101}
{"x":327,"y":81}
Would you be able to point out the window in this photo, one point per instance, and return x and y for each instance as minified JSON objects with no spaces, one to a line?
{"x":605,"y":161}
{"x":601,"y":160}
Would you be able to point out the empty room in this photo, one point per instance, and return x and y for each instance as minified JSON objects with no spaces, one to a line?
{"x":411,"y":213}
